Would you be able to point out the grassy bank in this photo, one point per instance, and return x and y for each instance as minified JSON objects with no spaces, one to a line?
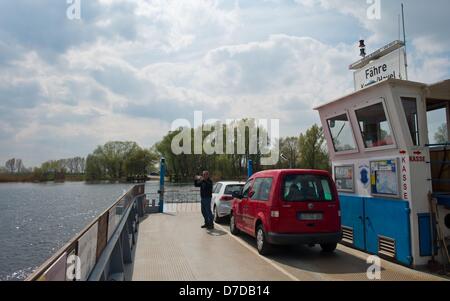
{"x":38,"y":178}
{"x":16,"y":178}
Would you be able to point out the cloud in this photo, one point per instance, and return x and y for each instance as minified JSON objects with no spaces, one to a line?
{"x":20,"y":94}
{"x":281,"y":62}
{"x":129,"y":68}
{"x":424,"y":19}
{"x":42,"y":26}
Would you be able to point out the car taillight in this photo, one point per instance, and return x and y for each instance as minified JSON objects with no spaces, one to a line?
{"x":275,"y":214}
{"x":226,"y":198}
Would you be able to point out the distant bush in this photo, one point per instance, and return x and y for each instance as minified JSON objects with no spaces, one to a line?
{"x":117,"y":161}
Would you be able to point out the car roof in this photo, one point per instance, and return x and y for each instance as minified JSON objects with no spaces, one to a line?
{"x":277,"y":172}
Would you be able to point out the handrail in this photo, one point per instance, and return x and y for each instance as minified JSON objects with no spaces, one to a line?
{"x":440,"y":180}
{"x":182,"y":191}
{"x":438,"y":162}
{"x":72,"y":243}
{"x":102,"y":262}
{"x":437,"y":144}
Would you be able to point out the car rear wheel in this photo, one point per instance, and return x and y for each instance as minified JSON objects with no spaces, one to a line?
{"x":263,"y":246}
{"x":233,"y":229}
{"x":217,"y":218}
{"x":328,"y":248}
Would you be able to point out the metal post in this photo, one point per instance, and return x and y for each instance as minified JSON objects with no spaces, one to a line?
{"x":404,"y":41}
{"x":162,"y":176}
{"x":250,"y":168}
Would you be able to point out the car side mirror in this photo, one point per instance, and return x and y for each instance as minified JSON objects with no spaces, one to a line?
{"x":251,"y":193}
{"x":237,"y":195}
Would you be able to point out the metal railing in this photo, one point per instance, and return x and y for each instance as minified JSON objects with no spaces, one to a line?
{"x":177,"y":200}
{"x":437,"y":144}
{"x":101,"y":249}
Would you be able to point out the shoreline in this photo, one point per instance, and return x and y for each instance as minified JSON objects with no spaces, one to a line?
{"x":26,"y":181}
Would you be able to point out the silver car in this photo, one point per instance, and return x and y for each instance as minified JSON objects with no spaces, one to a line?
{"x":222,"y":198}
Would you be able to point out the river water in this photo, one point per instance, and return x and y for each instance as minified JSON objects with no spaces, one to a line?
{"x":38,"y":219}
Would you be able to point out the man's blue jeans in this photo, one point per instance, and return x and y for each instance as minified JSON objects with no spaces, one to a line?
{"x":206,"y":211}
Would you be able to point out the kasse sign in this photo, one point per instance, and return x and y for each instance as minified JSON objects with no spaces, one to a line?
{"x":391,"y":65}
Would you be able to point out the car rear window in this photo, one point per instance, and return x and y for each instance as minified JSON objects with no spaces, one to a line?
{"x":229,"y":189}
{"x":300,"y":188}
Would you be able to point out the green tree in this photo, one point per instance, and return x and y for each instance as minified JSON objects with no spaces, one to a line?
{"x":94,"y":168}
{"x":313,"y":151}
{"x":441,"y":135}
{"x":185,"y":166}
{"x":116,"y":160}
{"x":10,"y":165}
{"x":289,"y":152}
{"x":140,"y":162}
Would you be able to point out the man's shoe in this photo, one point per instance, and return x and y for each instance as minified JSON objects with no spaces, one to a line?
{"x":204,"y":226}
{"x":210,"y":227}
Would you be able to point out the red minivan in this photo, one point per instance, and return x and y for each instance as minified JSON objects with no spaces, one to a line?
{"x":288,"y":207}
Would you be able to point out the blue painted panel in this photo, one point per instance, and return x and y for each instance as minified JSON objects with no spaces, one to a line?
{"x":388,"y":218}
{"x":425,"y":239}
{"x":352,"y":211}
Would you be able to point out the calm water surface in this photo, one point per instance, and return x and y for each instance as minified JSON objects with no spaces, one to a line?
{"x":38,"y":219}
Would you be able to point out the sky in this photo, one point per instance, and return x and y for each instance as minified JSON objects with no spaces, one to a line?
{"x":127,"y":69}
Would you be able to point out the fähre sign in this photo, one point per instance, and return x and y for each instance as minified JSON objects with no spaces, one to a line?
{"x":391,"y":65}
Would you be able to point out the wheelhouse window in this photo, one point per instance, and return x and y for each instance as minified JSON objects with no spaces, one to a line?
{"x":374,"y":125}
{"x":304,"y":188}
{"x":410,"y":108}
{"x":262,"y":187}
{"x":341,"y":133}
{"x":437,"y":124}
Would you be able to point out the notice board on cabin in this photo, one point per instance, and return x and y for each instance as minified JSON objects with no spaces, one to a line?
{"x":384,"y":178}
{"x":344,"y":178}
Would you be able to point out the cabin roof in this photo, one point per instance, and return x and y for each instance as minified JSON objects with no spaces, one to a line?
{"x":439,"y":90}
{"x":375,"y":86}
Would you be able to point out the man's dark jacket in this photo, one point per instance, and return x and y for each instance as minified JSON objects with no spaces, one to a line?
{"x":206,"y":187}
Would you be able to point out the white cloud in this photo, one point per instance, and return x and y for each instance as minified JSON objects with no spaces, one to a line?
{"x":134,"y":66}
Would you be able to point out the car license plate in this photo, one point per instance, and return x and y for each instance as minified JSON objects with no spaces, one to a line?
{"x":311,"y":216}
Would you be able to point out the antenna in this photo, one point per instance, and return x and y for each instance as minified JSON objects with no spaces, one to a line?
{"x":399,"y":54}
{"x":404,"y":41}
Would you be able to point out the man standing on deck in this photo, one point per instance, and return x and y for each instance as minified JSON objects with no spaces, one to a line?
{"x":206,"y":186}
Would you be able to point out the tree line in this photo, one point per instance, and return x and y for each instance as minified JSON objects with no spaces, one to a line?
{"x":118,"y":160}
{"x":308,"y":150}
{"x":15,"y":166}
{"x":122,"y":160}
{"x":54,"y":170}
{"x":222,"y":165}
